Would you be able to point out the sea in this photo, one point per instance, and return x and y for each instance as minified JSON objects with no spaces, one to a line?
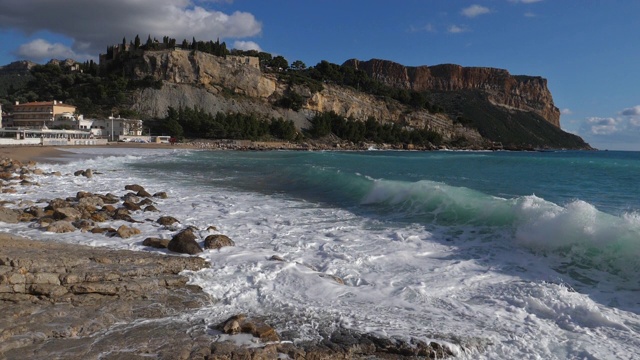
{"x":499,"y":255}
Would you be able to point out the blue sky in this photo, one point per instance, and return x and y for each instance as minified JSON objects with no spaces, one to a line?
{"x":588,"y":50}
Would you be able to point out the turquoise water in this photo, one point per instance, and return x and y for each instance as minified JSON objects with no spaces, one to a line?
{"x":581,"y":205}
{"x":607,"y":180}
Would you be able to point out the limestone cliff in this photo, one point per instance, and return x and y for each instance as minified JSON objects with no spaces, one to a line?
{"x":208,"y":71}
{"x":215,"y":84}
{"x":482,"y":105}
{"x":525,"y":93}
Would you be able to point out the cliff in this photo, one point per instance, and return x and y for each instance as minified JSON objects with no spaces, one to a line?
{"x":468,"y":107}
{"x":216,"y":84}
{"x":523,"y":93}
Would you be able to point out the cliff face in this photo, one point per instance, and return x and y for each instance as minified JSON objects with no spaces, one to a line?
{"x":524,"y":93}
{"x":208,"y":71}
{"x":495,"y":106}
{"x":216,"y":84}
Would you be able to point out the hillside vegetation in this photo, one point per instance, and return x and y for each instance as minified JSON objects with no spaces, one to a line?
{"x":458,"y":118}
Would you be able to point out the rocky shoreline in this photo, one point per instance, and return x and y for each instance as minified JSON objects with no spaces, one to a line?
{"x":79,"y":302}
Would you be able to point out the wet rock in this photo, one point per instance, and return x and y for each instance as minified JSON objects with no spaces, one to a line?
{"x":242,"y":324}
{"x":167,"y":220}
{"x":61,"y":226}
{"x":156,"y":242}
{"x":57,"y":203}
{"x":145,"y":202}
{"x":84,"y":224}
{"x":66,"y":213}
{"x":126,"y":232}
{"x":8,"y":215}
{"x":131,"y":206}
{"x":143,"y":193}
{"x":103,"y":230}
{"x":217,"y":242}
{"x":91,"y":200}
{"x":160,"y":195}
{"x":134,"y":187}
{"x":337,"y":279}
{"x":150,"y":208}
{"x":185,"y":243}
{"x":100,"y":216}
{"x":56,"y":310}
{"x":232,"y":327}
{"x":110,"y":198}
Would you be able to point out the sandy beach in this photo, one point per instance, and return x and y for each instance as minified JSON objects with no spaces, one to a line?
{"x":46,"y":153}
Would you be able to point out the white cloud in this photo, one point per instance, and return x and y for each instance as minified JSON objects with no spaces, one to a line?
{"x":530,"y":14}
{"x":41,"y":50}
{"x":525,"y":1}
{"x":475,"y":10}
{"x":603,"y":126}
{"x":632,"y":111}
{"x":246,"y":45}
{"x":426,"y":28}
{"x":93,"y":25}
{"x":455,"y":29}
{"x":566,"y":111}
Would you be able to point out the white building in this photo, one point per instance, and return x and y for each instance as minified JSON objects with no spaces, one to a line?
{"x":112,"y":128}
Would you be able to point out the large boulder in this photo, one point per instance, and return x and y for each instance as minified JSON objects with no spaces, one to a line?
{"x":167,"y":220}
{"x":61,"y":226}
{"x":8,"y":215}
{"x":92,"y":201}
{"x":134,"y":187}
{"x":156,"y":242}
{"x":67,"y":213}
{"x":217,"y":241}
{"x":57,"y":203}
{"x":185,"y":243}
{"x":160,"y":194}
{"x":125,"y":231}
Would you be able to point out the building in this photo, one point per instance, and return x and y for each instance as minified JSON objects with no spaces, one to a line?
{"x":56,"y":120}
{"x":251,"y":61}
{"x":112,"y":128}
{"x":40,"y":114}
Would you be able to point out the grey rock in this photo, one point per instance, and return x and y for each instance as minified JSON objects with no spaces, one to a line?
{"x":217,"y":241}
{"x":61,"y":226}
{"x":184,"y":242}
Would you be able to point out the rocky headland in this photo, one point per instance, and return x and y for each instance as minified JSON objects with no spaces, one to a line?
{"x":480,"y":106}
{"x":78,"y":302}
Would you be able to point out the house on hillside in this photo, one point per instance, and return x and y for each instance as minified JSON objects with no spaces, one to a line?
{"x":39,"y":114}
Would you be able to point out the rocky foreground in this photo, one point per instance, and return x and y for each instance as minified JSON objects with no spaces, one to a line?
{"x":78,"y":302}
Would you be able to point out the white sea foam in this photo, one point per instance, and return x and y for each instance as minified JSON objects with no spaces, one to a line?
{"x":468,"y":285}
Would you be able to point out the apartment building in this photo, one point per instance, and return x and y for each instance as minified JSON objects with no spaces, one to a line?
{"x":40,"y":114}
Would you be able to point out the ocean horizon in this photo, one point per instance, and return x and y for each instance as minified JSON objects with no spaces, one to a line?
{"x":498,"y":254}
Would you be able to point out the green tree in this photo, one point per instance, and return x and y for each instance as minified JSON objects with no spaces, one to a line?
{"x":279,"y":63}
{"x":298,"y":65}
{"x":136,"y":42}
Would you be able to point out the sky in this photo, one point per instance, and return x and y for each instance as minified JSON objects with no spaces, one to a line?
{"x":588,"y":50}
